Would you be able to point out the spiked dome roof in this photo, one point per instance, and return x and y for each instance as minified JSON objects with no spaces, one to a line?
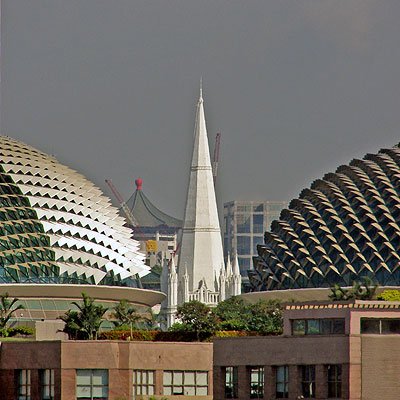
{"x":344,"y":227}
{"x":58,"y":227}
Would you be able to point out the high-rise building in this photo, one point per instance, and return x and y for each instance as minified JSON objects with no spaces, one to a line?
{"x":244,"y":225}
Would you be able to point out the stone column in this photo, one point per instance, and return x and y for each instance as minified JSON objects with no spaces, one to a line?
{"x":321,"y":382}
{"x":244,"y":382}
{"x":219,"y":383}
{"x":294,"y":382}
{"x":269,"y":382}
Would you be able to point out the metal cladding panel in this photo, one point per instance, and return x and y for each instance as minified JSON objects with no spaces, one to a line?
{"x":343,"y":227}
{"x":56,"y":226}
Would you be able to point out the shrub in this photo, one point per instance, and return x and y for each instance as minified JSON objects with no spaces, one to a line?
{"x":389,"y":295}
{"x":21,"y":330}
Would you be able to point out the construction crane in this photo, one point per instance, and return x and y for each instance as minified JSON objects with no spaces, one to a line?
{"x":123,"y":205}
{"x":216,"y":157}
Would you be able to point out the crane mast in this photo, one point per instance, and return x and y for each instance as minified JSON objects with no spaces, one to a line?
{"x":216,"y":157}
{"x":125,"y":208}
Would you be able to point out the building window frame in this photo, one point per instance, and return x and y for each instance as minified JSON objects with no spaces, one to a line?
{"x":185,"y":382}
{"x":88,"y":388}
{"x":256,"y":382}
{"x":143,"y":382}
{"x":47,"y":384}
{"x":321,"y":326}
{"x":282,"y":381}
{"x":334,"y":375}
{"x":380,"y":326}
{"x":24,"y":384}
{"x":308,"y":381}
{"x":231,"y":382}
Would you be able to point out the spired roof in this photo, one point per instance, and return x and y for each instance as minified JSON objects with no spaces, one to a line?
{"x":58,"y":227}
{"x":344,"y":227}
{"x":146,"y":213}
{"x":201,"y":250}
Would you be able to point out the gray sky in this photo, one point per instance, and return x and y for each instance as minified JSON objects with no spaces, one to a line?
{"x":110,"y":87}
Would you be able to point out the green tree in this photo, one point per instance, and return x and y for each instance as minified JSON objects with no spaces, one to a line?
{"x":72,"y":325}
{"x":265,"y":316}
{"x":7,"y":309}
{"x":232,"y":314}
{"x":197,"y":317}
{"x":89,"y":317}
{"x":126,"y":315}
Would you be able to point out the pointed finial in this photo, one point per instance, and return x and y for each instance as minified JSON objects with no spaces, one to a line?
{"x":201,"y":88}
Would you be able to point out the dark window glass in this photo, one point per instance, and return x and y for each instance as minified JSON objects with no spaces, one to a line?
{"x":308,"y":381}
{"x":370,"y":325}
{"x":243,"y":245}
{"x":326,"y":326}
{"x":282,"y":382}
{"x":334,"y":381}
{"x":258,"y":223}
{"x":390,"y":326}
{"x":338,"y":326}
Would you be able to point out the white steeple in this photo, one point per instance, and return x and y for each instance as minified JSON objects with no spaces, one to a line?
{"x":236,"y":278}
{"x":201,"y":248}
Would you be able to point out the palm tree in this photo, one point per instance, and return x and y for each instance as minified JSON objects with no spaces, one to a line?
{"x":152,"y":320}
{"x":72,"y":325}
{"x":90,"y":316}
{"x":126,"y":315}
{"x":7,"y":311}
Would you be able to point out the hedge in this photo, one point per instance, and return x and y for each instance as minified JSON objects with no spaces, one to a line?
{"x":159,"y":336}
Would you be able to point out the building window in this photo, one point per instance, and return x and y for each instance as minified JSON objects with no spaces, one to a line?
{"x":243,"y":245}
{"x":258,"y":223}
{"x":47,"y":384}
{"x":257,"y":382}
{"x":24,"y":384}
{"x":92,"y":384}
{"x":387,"y":326}
{"x":334,"y":381}
{"x":308,"y":381}
{"x":282,"y":382}
{"x":318,"y":326}
{"x":188,"y":383}
{"x":231,"y":382}
{"x":143,"y":383}
{"x":243,"y":223}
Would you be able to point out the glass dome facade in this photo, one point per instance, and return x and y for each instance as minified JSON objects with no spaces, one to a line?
{"x":58,"y":227}
{"x":343,"y":227}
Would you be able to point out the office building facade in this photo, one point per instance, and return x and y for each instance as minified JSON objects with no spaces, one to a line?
{"x":244,"y":225}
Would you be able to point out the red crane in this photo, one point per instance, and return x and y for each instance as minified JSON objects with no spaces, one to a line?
{"x":216,"y":157}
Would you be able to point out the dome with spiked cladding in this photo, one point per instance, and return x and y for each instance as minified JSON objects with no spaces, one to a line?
{"x":347,"y":225}
{"x":58,"y":227}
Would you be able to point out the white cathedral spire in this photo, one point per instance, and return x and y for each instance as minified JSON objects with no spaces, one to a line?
{"x":201,"y":248}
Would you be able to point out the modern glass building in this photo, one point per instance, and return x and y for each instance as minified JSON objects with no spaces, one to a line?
{"x":344,"y":227}
{"x":244,"y":225}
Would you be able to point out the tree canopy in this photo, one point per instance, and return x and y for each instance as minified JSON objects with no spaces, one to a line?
{"x":232,"y":314}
